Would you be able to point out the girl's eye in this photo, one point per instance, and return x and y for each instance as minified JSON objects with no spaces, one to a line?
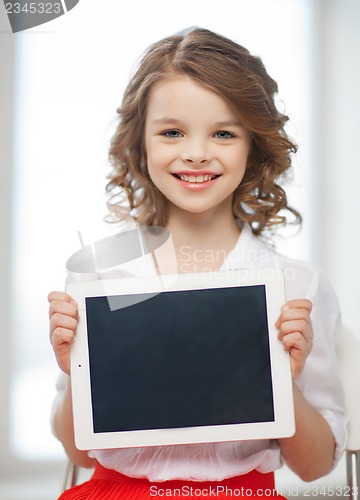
{"x":224,"y":134}
{"x":172,"y":134}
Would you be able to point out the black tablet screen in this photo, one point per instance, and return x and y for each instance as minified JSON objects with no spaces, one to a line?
{"x":180,"y":359}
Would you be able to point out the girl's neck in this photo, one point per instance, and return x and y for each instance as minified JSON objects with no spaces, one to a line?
{"x":202,"y":241}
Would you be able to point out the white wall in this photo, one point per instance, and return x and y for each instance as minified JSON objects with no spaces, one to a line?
{"x":336,"y":105}
{"x":7,"y":47}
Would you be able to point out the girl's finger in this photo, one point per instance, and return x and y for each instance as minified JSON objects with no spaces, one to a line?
{"x":65,"y":308}
{"x":292,"y":315}
{"x":62,"y":337}
{"x":62,"y":296}
{"x":296,"y":341}
{"x":299,"y":304}
{"x":62,"y":321}
{"x":300,"y":326}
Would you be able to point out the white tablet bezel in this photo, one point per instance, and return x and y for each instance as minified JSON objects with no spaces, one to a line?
{"x":282,"y":426}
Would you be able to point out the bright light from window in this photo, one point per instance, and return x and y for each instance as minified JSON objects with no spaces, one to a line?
{"x":69,"y":84}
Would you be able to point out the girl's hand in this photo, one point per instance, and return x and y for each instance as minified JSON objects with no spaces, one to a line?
{"x":296,"y":333}
{"x":63,"y":313}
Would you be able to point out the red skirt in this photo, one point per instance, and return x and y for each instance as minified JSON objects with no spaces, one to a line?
{"x":106,"y":484}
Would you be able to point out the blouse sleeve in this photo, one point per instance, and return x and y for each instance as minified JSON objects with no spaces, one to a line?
{"x":320,"y":381}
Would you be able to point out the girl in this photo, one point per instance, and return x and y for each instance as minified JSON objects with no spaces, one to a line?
{"x":199,"y":149}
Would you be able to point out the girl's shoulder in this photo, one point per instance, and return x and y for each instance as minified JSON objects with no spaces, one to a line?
{"x":302,"y":279}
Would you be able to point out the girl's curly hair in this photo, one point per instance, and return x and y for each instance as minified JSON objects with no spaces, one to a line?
{"x":242,"y":80}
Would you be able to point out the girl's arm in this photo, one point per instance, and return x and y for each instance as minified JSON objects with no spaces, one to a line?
{"x":63,"y":314}
{"x":310,"y":452}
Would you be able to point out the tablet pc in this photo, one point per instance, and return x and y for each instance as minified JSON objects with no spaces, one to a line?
{"x":191,"y":358}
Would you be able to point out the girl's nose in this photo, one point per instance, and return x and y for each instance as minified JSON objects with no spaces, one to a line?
{"x":195,"y":152}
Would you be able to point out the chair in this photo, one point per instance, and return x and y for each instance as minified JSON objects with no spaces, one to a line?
{"x":71,"y":475}
{"x":348,"y":351}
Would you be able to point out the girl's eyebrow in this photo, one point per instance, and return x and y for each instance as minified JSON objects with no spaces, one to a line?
{"x":229,"y":123}
{"x":166,"y":120}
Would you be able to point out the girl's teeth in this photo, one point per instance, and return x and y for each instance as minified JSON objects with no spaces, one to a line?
{"x":197,"y":178}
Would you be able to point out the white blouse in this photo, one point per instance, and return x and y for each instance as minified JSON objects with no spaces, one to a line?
{"x":319,"y":383}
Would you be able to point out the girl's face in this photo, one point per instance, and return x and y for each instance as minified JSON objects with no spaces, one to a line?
{"x":196,"y":147}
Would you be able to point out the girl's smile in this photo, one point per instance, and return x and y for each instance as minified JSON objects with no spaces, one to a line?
{"x":196,"y":180}
{"x":196,"y":147}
